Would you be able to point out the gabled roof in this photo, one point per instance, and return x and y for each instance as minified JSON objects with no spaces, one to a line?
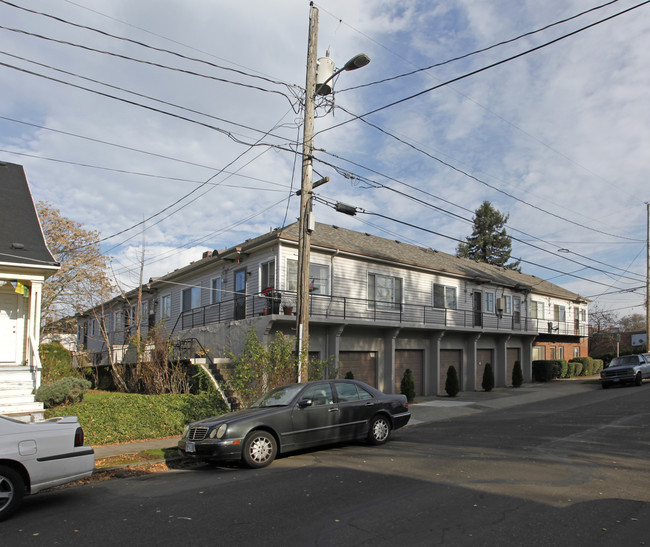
{"x":379,"y":248}
{"x":21,"y":238}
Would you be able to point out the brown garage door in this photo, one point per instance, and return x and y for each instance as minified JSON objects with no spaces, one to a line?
{"x":513,"y":355}
{"x":413,"y":359}
{"x":483,"y":356}
{"x":448,"y":358}
{"x":362,"y":364}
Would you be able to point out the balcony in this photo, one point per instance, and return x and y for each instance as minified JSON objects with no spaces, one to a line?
{"x":346,"y":309}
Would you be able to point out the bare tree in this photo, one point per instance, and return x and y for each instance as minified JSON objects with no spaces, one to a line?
{"x":83,"y":272}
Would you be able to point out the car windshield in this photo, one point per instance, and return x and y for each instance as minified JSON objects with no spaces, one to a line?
{"x":280,"y":396}
{"x":624,"y":360}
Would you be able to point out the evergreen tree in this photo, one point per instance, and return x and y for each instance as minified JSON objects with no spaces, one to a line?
{"x":489,"y":241}
{"x":488,"y":378}
{"x":407,"y":386}
{"x":517,"y":375}
{"x":452,"y":386}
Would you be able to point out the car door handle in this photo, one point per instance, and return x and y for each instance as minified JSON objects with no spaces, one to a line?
{"x":370,"y":404}
{"x":333,"y":409}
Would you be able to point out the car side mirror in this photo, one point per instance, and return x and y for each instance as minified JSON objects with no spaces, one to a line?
{"x":305,"y":403}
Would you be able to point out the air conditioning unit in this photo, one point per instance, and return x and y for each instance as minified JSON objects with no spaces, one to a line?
{"x":501,"y":304}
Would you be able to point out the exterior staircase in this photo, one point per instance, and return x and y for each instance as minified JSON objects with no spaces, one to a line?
{"x":16,"y":394}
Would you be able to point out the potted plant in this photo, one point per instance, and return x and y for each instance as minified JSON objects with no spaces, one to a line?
{"x":288,"y":306}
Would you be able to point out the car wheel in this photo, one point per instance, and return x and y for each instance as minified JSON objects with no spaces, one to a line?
{"x":379,"y":430}
{"x":12,"y":490}
{"x":638,"y":380}
{"x":260,"y":449}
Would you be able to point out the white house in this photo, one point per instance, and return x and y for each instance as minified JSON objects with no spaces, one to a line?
{"x":25,"y":263}
{"x":377,"y":307}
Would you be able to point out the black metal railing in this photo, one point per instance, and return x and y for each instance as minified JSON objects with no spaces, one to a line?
{"x":346,"y":308}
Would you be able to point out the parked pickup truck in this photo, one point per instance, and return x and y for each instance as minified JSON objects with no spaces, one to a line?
{"x":626,"y":369}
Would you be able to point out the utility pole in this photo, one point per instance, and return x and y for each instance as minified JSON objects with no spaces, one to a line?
{"x":304,"y":227}
{"x":647,"y":282}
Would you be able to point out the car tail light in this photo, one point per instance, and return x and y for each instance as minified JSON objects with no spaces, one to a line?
{"x":79,"y":437}
{"x":407,"y":405}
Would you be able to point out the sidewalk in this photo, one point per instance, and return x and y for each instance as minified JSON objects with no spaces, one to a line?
{"x":423,"y":410}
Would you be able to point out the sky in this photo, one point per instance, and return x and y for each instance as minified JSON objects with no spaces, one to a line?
{"x":172,"y":127}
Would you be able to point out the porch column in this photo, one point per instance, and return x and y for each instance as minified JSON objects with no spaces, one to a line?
{"x":432,"y":369}
{"x":501,"y":365}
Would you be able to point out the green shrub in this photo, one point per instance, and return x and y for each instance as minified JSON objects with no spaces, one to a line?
{"x":452,"y":386}
{"x":56,"y":362}
{"x":349,"y":375}
{"x":587,"y":365}
{"x":488,"y":378}
{"x":121,"y":417}
{"x":564,"y":369}
{"x":598,"y":366}
{"x":65,"y":391}
{"x":546,"y":370}
{"x":517,"y":375}
{"x":407,"y":386}
{"x":571,"y":369}
{"x":579,"y":367}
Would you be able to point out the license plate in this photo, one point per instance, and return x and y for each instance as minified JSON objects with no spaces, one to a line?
{"x":189,"y":447}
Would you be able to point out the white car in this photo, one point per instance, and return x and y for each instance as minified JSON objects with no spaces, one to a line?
{"x":40,"y":455}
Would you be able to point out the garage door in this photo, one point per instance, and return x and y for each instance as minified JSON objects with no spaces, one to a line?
{"x":483,"y":356}
{"x":413,"y":359}
{"x":513,"y":355}
{"x":449,"y":357}
{"x":362,"y":364}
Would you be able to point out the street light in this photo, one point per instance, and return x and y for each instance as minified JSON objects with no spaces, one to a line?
{"x":305,"y":225}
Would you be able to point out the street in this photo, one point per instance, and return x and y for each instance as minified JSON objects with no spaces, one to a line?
{"x":566,"y":471}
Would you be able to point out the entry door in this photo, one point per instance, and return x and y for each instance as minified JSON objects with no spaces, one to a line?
{"x":9,"y":308}
{"x":477,"y":306}
{"x":240,"y":294}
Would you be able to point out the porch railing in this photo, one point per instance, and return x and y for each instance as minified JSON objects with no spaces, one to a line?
{"x":346,"y":308}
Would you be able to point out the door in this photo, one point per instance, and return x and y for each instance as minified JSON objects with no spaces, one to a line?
{"x":362,"y":364}
{"x":240,"y":294}
{"x":9,"y":309}
{"x":318,"y":422}
{"x":477,"y":306}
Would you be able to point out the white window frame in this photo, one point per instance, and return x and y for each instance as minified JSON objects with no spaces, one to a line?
{"x":267,"y":275}
{"x":535,"y":306}
{"x":165,"y":306}
{"x":216,"y":294}
{"x":488,"y":300}
{"x":389,"y":295}
{"x":195,"y":298}
{"x":449,"y":296}
{"x":319,"y":277}
{"x":559,"y":313}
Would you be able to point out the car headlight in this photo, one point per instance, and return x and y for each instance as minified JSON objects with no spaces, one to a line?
{"x":218,"y":432}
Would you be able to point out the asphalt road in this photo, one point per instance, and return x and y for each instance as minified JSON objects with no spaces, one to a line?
{"x":568,"y":471}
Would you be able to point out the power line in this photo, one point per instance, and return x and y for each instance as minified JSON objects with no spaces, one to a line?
{"x":484,"y":49}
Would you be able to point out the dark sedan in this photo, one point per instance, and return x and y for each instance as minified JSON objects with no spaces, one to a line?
{"x":294,"y":417}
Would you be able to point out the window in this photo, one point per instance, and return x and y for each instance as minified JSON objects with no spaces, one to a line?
{"x":384,"y":292}
{"x":191,"y":298}
{"x":516,"y":309}
{"x":351,"y":392}
{"x":144,"y":311}
{"x":559,"y":313}
{"x":166,"y":306}
{"x":560,"y":352}
{"x":444,"y":297}
{"x":583,"y":316}
{"x":508,"y":302}
{"x":267,"y":274}
{"x":92,"y":327}
{"x":552,"y":352}
{"x":576,"y":351}
{"x":216,"y":292}
{"x":319,"y":277}
{"x":118,"y":320}
{"x":537,"y":310}
{"x":489,"y":301}
{"x":320,"y":394}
